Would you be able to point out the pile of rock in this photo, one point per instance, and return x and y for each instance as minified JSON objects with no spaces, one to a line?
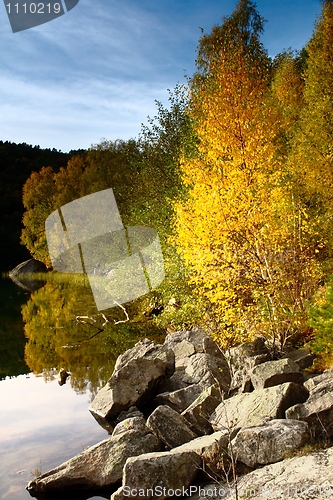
{"x":181,"y":412}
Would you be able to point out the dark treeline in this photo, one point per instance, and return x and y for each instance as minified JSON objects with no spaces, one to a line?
{"x":17,"y":162}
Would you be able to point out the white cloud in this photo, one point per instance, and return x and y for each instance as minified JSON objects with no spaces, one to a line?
{"x":77,"y":114}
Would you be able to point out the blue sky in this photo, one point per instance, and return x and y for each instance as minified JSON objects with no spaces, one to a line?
{"x":95,"y":72}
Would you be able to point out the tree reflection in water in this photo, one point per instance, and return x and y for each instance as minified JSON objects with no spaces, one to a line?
{"x":65,"y":330}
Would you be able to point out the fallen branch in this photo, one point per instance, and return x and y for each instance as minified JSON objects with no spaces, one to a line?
{"x":123,"y":320}
{"x":80,"y":319}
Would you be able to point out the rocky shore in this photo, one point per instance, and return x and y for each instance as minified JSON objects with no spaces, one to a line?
{"x":186,"y":420}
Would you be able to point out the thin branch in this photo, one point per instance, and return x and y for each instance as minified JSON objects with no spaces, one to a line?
{"x":123,"y":320}
{"x":106,"y":321}
{"x":80,"y":319}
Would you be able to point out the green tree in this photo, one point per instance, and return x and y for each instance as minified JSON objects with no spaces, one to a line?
{"x":312,"y":154}
{"x":321,"y":321}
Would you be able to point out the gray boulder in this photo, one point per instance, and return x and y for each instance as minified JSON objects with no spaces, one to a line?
{"x":257,"y":407}
{"x":276,"y":372}
{"x":170,"y":427}
{"x":269,"y":443}
{"x":200,"y":411}
{"x":147,"y":349}
{"x":243,"y":359}
{"x":132,"y":384}
{"x":312,"y":382}
{"x":181,"y":399}
{"x":155,"y":475}
{"x":130,"y":413}
{"x":173,"y":383}
{"x":297,"y":478}
{"x":302,"y":357}
{"x":98,"y":467}
{"x":212,"y":449}
{"x":199,"y":340}
{"x":131,"y":424}
{"x":206,"y":370}
{"x":317,"y":411}
{"x":183,"y":350}
{"x":29,"y":266}
{"x":198,"y":360}
{"x":207,"y":447}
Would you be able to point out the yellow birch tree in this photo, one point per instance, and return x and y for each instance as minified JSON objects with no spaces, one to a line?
{"x":237,"y":227}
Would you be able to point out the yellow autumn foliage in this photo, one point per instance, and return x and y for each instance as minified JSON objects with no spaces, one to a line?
{"x":241,"y":231}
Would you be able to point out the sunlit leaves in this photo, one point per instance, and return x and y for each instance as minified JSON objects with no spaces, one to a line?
{"x":242,"y":230}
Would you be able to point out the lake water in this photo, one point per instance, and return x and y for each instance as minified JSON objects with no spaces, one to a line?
{"x":43,"y":424}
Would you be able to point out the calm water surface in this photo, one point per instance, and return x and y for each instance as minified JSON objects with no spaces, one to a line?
{"x":43,"y":424}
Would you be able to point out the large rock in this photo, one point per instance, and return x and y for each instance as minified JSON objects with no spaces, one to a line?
{"x":173,"y":383}
{"x":132,"y":385}
{"x":181,"y":399}
{"x":98,"y":467}
{"x":269,"y":443}
{"x":170,"y":427}
{"x":29,"y":266}
{"x":207,"y":447}
{"x":213,"y":451}
{"x":155,"y":475}
{"x":24,"y":275}
{"x":200,"y":411}
{"x":147,"y":349}
{"x":298,"y":478}
{"x":183,"y":350}
{"x":132,"y":423}
{"x":312,"y":382}
{"x":257,"y":407}
{"x":206,"y":370}
{"x":243,"y":359}
{"x":198,"y":360}
{"x":186,"y":343}
{"x":276,"y":372}
{"x":302,"y":357}
{"x":317,"y":411}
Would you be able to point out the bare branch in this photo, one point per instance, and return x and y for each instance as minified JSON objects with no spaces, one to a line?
{"x":123,"y":320}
